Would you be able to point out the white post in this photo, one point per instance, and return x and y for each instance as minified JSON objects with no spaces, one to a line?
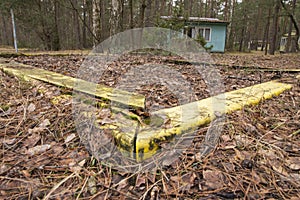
{"x":14,"y":30}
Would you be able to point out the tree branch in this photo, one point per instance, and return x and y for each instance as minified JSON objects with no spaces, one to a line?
{"x":294,"y":21}
{"x":84,"y":23}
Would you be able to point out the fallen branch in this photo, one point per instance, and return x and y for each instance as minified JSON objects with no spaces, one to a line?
{"x":250,"y":68}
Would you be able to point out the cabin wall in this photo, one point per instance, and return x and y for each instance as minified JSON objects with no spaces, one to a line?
{"x":218,"y":34}
{"x":218,"y":37}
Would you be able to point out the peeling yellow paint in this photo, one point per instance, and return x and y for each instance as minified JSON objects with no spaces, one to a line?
{"x":189,"y":116}
{"x":141,"y":141}
{"x":186,"y":117}
{"x":116,"y":95}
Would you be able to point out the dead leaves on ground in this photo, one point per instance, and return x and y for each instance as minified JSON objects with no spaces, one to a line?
{"x":257,"y":157}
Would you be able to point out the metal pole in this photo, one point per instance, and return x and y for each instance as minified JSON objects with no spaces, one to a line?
{"x":14,"y":30}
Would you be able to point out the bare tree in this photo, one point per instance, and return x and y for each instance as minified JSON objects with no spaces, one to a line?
{"x":142,"y":13}
{"x":96,"y":22}
{"x":148,"y":13}
{"x":76,"y":25}
{"x":116,"y":16}
{"x":273,"y":44}
{"x":266,"y":33}
{"x":56,"y":41}
{"x":84,"y":27}
{"x":230,"y":29}
{"x":131,"y":23}
{"x":293,"y":20}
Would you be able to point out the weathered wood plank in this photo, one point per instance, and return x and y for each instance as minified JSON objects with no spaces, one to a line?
{"x":189,"y":116}
{"x":126,"y":98}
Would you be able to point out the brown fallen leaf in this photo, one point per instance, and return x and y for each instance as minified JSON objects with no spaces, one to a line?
{"x":255,"y":177}
{"x":170,"y":158}
{"x":238,"y":155}
{"x":154,"y":193}
{"x":188,"y":181}
{"x":8,"y":141}
{"x":140,"y":182}
{"x":26,"y":173}
{"x":122,"y":184}
{"x":45,"y":123}
{"x":213,"y":179}
{"x":279,"y":169}
{"x":76,"y":167}
{"x":32,"y":140}
{"x":293,"y":163}
{"x":38,"y":149}
{"x":225,"y":138}
{"x":36,"y":130}
{"x":296,"y":178}
{"x":57,"y":149}
{"x":70,"y":138}
{"x":4,"y":168}
{"x":31,"y":108}
{"x":92,"y":185}
{"x":243,"y":140}
{"x":183,"y":183}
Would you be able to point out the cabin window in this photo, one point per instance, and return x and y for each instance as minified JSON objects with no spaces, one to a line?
{"x":205,"y":33}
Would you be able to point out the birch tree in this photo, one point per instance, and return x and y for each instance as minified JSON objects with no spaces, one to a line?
{"x":96,"y":22}
{"x":116,"y":16}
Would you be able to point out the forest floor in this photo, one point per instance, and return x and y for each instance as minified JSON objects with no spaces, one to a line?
{"x":258,"y":155}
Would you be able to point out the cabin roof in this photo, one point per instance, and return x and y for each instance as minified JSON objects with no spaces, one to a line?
{"x":197,"y":19}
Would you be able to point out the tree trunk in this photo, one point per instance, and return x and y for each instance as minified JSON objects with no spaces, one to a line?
{"x":142,"y":13}
{"x":206,"y":7}
{"x":5,"y":34}
{"x":156,"y":11}
{"x":76,"y":26}
{"x":162,"y":8}
{"x":273,"y":44}
{"x":116,"y":17}
{"x":256,"y":33}
{"x":131,"y":23}
{"x":89,"y":24}
{"x":96,"y":22}
{"x":289,"y":39}
{"x":231,"y":31}
{"x":84,"y":38}
{"x":242,"y":39}
{"x":121,"y":20}
{"x":148,"y":20}
{"x":289,"y":44}
{"x":226,"y":10}
{"x":212,"y":9}
{"x":55,"y":39}
{"x":104,"y":18}
{"x":186,"y":5}
{"x":266,"y":35}
{"x":191,"y":8}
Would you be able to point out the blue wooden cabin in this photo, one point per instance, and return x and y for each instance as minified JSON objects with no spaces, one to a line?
{"x":211,"y":29}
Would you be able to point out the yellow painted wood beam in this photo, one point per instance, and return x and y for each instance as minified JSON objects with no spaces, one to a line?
{"x":126,"y":98}
{"x":189,"y":116}
{"x":140,"y":141}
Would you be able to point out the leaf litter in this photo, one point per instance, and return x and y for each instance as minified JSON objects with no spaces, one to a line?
{"x":257,"y":156}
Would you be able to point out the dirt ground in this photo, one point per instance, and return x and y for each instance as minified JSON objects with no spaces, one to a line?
{"x":258,"y":156}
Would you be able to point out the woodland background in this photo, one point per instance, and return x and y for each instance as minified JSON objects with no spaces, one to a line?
{"x":80,"y":24}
